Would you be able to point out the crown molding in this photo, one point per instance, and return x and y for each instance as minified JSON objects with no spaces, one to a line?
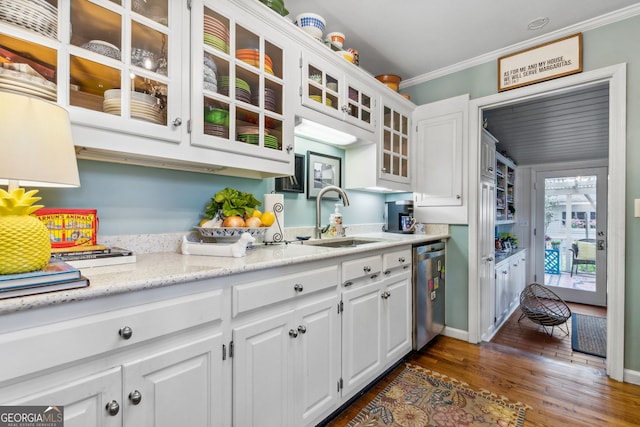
{"x":590,"y":24}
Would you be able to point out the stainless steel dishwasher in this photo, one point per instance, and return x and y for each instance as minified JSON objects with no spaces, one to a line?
{"x":428,"y":292}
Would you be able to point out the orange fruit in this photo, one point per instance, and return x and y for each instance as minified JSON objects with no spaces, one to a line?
{"x":268,"y":218}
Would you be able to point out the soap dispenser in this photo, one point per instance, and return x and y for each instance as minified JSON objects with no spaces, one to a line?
{"x":335,"y":223}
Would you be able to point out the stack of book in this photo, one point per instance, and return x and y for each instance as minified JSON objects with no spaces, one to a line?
{"x":55,"y":276}
{"x":92,"y":256}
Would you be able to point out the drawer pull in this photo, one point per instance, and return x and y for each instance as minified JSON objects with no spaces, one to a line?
{"x":367,"y":269}
{"x":373,"y":276}
{"x":126,"y":332}
{"x":293,"y":333}
{"x":387,"y":272}
{"x":348,"y":284}
{"x":113,"y":408}
{"x":135,"y":397}
{"x":298,"y":287}
{"x":302,"y":329}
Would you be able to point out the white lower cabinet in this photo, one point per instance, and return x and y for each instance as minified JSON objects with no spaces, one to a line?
{"x":361,"y":335}
{"x":510,"y":280}
{"x":376,"y":318}
{"x":283,"y":347}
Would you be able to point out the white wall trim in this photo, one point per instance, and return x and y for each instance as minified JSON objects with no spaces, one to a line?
{"x":616,"y":76}
{"x":632,"y":377}
{"x":600,"y":21}
{"x":456,"y":333}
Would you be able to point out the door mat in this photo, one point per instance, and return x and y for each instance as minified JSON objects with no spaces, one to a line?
{"x":589,"y":334}
{"x":420,"y":397}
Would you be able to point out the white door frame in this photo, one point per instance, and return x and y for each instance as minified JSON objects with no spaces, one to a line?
{"x":616,"y":76}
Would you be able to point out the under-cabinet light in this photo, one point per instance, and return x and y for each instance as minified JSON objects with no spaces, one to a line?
{"x":317,"y":132}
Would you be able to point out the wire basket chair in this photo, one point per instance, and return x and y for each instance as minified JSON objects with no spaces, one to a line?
{"x":544,"y":307}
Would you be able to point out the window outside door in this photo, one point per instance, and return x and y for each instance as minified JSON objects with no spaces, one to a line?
{"x":571,"y":212}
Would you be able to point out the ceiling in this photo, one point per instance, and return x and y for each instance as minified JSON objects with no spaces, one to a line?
{"x":572,"y":126}
{"x":411,"y":38}
{"x":418,"y":38}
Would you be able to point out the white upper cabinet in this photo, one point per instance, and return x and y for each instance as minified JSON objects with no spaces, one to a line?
{"x":330,"y":87}
{"x":441,"y":160}
{"x":241,"y":104}
{"x":391,"y":154}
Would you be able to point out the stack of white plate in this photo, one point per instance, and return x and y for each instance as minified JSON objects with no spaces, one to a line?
{"x":23,"y":79}
{"x":37,"y":15}
{"x":143,"y":106}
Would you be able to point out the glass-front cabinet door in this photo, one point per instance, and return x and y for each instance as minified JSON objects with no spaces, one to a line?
{"x":330,"y":90}
{"x":238,"y":78}
{"x":394,"y":145}
{"x":116,"y":64}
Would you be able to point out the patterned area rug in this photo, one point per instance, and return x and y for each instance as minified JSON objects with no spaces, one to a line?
{"x":589,"y":334}
{"x":419,"y":397}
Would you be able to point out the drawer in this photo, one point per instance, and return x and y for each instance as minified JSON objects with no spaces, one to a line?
{"x":396,"y":260}
{"x":51,"y":345}
{"x":249,"y":296}
{"x":369,"y":267}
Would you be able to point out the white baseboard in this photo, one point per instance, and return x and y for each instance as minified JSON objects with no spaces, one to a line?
{"x":632,"y":377}
{"x":456,"y":333}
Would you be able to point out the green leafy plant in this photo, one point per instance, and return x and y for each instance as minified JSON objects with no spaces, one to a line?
{"x":230,"y":201}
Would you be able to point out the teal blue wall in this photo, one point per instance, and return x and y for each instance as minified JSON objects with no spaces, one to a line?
{"x":142,"y":200}
{"x":609,"y":45}
{"x":457,"y":282}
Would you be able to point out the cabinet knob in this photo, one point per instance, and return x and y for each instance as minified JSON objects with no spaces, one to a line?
{"x":458,"y":196}
{"x":177,"y":122}
{"x":302,"y":329}
{"x":385,"y":295}
{"x":289,"y":148}
{"x":367,"y":269}
{"x":293,"y":333}
{"x":401,"y":260}
{"x":489,"y":259}
{"x":298,"y":287}
{"x":135,"y":397}
{"x":490,"y":169}
{"x":345,"y":109}
{"x":126,"y":332}
{"x":504,"y":271}
{"x":113,"y":408}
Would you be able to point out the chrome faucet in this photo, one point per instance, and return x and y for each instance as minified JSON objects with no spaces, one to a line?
{"x":345,"y":202}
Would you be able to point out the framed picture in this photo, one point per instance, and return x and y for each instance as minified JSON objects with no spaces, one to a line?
{"x":293,"y":183}
{"x":322,"y":170}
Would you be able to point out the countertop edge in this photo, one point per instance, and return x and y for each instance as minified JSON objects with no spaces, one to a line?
{"x":157,"y":270}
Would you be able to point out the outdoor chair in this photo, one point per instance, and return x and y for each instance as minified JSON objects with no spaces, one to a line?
{"x":584,"y":253}
{"x":542,"y":306}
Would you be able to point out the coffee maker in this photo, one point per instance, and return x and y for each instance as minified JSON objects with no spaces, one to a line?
{"x":399,"y":216}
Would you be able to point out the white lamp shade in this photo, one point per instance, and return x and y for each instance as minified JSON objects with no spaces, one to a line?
{"x":36,"y":147}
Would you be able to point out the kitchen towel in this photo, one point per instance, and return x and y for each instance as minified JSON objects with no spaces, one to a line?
{"x":275,"y":203}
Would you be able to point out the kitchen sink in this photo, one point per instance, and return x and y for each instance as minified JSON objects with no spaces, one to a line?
{"x":350,"y":242}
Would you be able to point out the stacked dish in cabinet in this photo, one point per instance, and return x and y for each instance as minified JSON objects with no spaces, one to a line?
{"x":242,"y":84}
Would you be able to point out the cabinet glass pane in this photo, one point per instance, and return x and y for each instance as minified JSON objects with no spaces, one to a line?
{"x":40,"y":17}
{"x":396,"y":121}
{"x":365,"y":100}
{"x":96,"y":29}
{"x":148,"y":49}
{"x":28,"y":68}
{"x":216,"y":31}
{"x":216,"y":118}
{"x":405,"y":125}
{"x":387,"y":140}
{"x":273,"y":59}
{"x":149,"y":100}
{"x":247,"y":47}
{"x":213,"y":67}
{"x":404,"y":146}
{"x":156,"y":10}
{"x":246,"y":82}
{"x":89,"y":80}
{"x":366,"y":116}
{"x":387,"y":117}
{"x":396,"y":166}
{"x":405,"y":168}
{"x":272,"y":97}
{"x":386,"y":162}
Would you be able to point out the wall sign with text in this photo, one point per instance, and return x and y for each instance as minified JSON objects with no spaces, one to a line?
{"x":545,"y":62}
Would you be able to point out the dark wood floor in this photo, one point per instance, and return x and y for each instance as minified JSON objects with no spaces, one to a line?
{"x":562,"y":389}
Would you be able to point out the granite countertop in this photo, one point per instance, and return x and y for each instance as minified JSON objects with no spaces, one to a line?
{"x":154,"y":270}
